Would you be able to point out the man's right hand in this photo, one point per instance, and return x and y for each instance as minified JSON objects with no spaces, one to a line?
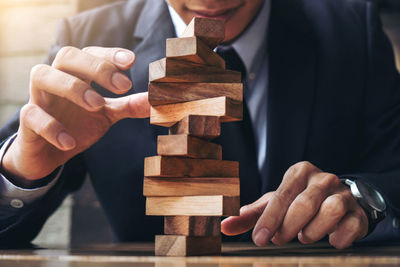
{"x":64,"y":115}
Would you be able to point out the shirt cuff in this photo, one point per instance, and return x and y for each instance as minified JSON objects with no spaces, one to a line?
{"x":15,"y":196}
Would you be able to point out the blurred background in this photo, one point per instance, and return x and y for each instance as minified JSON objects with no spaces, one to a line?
{"x":27,"y":29}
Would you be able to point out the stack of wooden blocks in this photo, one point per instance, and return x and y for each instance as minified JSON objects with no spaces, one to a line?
{"x":188,"y":182}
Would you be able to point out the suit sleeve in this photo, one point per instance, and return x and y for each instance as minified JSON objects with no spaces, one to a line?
{"x":380,"y":158}
{"x":19,"y":228}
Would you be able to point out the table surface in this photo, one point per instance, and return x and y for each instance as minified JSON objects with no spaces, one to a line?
{"x":235,"y":255}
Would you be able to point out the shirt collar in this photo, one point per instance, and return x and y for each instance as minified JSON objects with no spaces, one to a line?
{"x":256,"y":32}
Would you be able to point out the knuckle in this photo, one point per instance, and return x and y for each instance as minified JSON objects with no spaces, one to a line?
{"x":47,"y":126}
{"x":27,"y":111}
{"x":317,"y":188}
{"x":87,"y":49}
{"x":285,"y":195}
{"x":38,"y":72}
{"x":306,"y":202}
{"x":74,"y":84}
{"x":305,"y":166}
{"x":330,"y":179}
{"x":64,"y":53}
{"x":327,"y":181}
{"x":299,"y":169}
{"x":336,"y":205}
{"x":101,"y":66}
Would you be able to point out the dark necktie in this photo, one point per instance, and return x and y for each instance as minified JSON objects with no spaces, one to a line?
{"x":238,"y":144}
{"x":233,"y":62}
{"x":237,"y":138}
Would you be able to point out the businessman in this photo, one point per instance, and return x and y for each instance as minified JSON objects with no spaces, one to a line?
{"x":321,"y":123}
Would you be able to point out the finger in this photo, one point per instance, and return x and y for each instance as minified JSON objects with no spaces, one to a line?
{"x":354,"y":226}
{"x":122,"y":58}
{"x":249,"y":215}
{"x":36,"y":122}
{"x":293,"y":183}
{"x":56,"y":82}
{"x":132,"y":106}
{"x":332,"y":211}
{"x":305,"y":206}
{"x":90,"y":68}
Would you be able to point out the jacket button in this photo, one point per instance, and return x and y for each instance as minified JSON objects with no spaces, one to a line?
{"x":396,"y":223}
{"x":17,"y":203}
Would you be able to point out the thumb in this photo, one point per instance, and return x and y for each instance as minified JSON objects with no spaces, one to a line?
{"x":131,"y":106}
{"x":248,"y":218}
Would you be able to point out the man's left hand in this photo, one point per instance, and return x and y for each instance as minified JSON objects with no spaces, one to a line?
{"x":309,"y":204}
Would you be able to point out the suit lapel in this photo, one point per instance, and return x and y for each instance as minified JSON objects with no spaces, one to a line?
{"x":154,"y":26}
{"x":291,"y":88}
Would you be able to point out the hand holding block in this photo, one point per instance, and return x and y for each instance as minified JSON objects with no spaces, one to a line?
{"x":174,"y":70}
{"x":194,"y":50}
{"x":187,"y":146}
{"x":204,"y":186}
{"x":175,"y":245}
{"x":160,"y":166}
{"x":210,"y":31}
{"x":193,"y":206}
{"x":207,"y":127}
{"x":192,"y":225}
{"x":223,"y":107}
{"x":169,"y":93}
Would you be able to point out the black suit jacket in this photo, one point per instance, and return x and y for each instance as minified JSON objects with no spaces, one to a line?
{"x":333,"y":100}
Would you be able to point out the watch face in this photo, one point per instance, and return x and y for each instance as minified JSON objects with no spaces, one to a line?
{"x":371,"y":196}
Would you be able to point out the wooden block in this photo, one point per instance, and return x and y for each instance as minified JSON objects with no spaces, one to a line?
{"x":192,"y":225}
{"x":192,"y":49}
{"x":193,"y":206}
{"x":210,"y":31}
{"x":223,"y":107}
{"x":207,"y":127}
{"x":203,"y":186}
{"x":175,"y":245}
{"x":187,"y":146}
{"x":162,"y":166}
{"x":175,"y":70}
{"x":169,"y":93}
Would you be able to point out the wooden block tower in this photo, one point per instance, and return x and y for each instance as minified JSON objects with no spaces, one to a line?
{"x":188,"y":182}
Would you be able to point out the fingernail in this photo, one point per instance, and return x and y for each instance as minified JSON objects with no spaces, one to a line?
{"x":262,"y":237}
{"x":93,"y":99}
{"x":123,"y":58}
{"x":65,"y":140}
{"x":121,"y":81}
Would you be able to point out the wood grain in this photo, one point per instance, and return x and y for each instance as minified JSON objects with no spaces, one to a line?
{"x":176,"y":245}
{"x":192,"y":49}
{"x":192,"y":225}
{"x":193,"y":206}
{"x":163,"y":166}
{"x":203,"y":186}
{"x":210,"y":31}
{"x":187,"y":146}
{"x":175,"y":70}
{"x":169,"y":93}
{"x":207,"y":127}
{"x":167,"y":115}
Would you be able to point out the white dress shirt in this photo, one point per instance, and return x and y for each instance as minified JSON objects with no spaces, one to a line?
{"x":251,"y":47}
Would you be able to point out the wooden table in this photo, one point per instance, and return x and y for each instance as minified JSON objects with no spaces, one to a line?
{"x":234,"y":255}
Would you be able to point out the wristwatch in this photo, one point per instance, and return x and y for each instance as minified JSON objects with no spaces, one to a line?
{"x":369,"y":199}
